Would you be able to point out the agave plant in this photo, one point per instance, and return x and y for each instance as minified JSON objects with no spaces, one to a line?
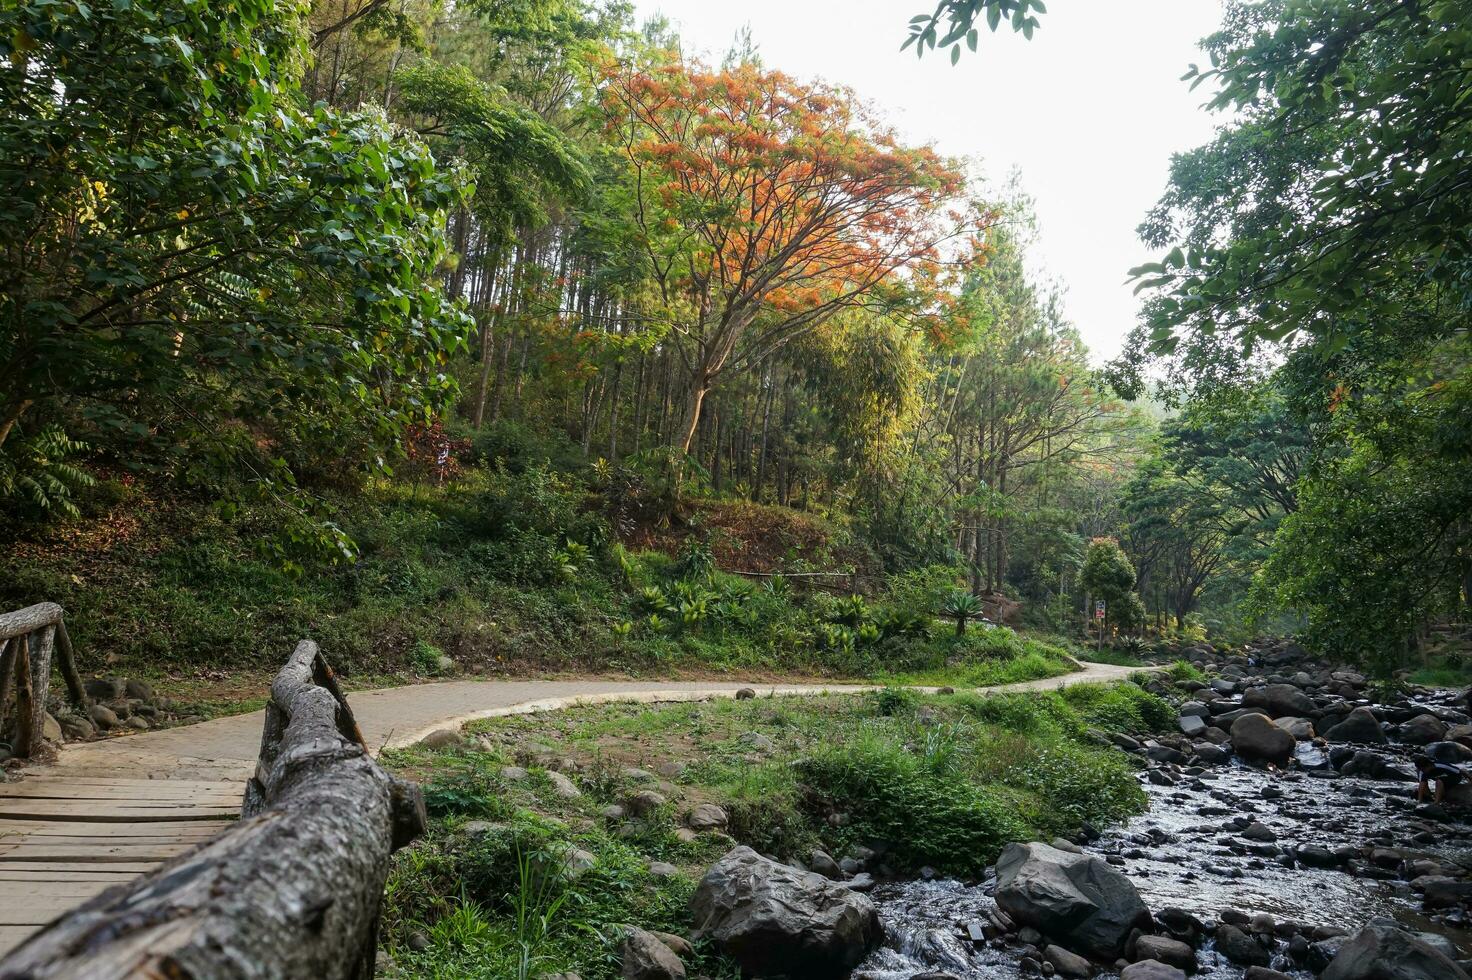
{"x":963,"y":607}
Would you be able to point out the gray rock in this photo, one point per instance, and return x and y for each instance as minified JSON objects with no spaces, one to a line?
{"x":74,"y":727}
{"x":1239,"y":947}
{"x":1300,"y":728}
{"x":1263,"y":973}
{"x":1360,"y":726}
{"x":745,"y":694}
{"x":663,"y":869}
{"x":513,"y":774}
{"x":1370,"y":765}
{"x":1423,"y":730}
{"x":1166,"y":950}
{"x":707,"y":816}
{"x":563,"y":786}
{"x":142,"y":690}
{"x":50,"y":728}
{"x":444,"y":738}
{"x":1067,"y":964}
{"x":1384,"y":951}
{"x":102,"y":716}
{"x":1151,"y":970}
{"x":644,"y":957}
{"x":759,"y":742}
{"x":821,"y":862}
{"x":644,"y":802}
{"x":773,"y":919}
{"x":1076,"y":899}
{"x":1191,"y":725}
{"x":104,"y":688}
{"x":1279,"y":700}
{"x":1257,"y":738}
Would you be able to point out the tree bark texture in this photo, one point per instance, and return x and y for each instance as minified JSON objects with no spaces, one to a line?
{"x":291,"y":890}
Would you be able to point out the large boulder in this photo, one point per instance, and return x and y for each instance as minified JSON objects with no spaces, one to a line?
{"x":1372,"y":765}
{"x":1279,"y":700}
{"x":1423,"y":730}
{"x":778,"y":921}
{"x":1078,"y":900}
{"x":1255,"y":737}
{"x":1384,"y":951}
{"x":1360,"y":726}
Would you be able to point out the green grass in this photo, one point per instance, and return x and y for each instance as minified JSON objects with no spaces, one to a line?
{"x":939,"y":780}
{"x":988,"y":656}
{"x":1116,"y":658}
{"x":1456,"y":675}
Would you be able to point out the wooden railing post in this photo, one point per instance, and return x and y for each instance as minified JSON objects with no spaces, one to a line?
{"x":291,"y":890}
{"x":32,"y":637}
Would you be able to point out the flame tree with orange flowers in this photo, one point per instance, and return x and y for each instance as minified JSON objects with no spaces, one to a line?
{"x":763,"y":207}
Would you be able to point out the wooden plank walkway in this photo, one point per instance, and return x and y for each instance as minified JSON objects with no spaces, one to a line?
{"x":64,"y":839}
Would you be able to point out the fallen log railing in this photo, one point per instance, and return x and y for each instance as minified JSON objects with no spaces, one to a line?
{"x":29,"y":639}
{"x":290,"y":890}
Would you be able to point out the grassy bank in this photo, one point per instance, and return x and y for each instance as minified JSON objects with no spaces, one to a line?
{"x":516,"y":872}
{"x":504,"y":570}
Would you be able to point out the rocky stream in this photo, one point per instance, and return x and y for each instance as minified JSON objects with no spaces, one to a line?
{"x":1269,"y":850}
{"x":1284,"y":840}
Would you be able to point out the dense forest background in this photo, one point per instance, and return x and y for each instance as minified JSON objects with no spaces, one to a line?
{"x":487,"y":327}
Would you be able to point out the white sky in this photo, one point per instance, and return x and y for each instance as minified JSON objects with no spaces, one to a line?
{"x":1089,"y":111}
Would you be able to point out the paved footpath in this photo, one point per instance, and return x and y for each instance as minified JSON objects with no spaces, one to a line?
{"x":110,"y":810}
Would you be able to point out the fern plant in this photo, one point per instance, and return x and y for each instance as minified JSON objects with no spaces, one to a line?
{"x":37,"y":471}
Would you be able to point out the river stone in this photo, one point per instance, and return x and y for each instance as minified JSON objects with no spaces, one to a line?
{"x":773,"y":919}
{"x":1077,"y":899}
{"x":1067,"y":964}
{"x":1166,"y":950}
{"x":1151,"y":970}
{"x":1384,"y":951}
{"x":1191,"y":725}
{"x":1423,"y":730}
{"x":821,"y":862}
{"x":50,"y":728}
{"x":1257,"y":738}
{"x":644,"y":957}
{"x":1239,"y":947}
{"x":1279,"y":700}
{"x":1359,"y":726}
{"x":1370,"y":765}
{"x":102,"y":716}
{"x":1263,"y":973}
{"x":1300,"y":728}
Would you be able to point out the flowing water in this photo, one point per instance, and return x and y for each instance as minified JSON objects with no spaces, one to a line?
{"x":1185,"y":852}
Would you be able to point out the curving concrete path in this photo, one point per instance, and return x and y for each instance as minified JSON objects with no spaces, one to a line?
{"x":113,"y":809}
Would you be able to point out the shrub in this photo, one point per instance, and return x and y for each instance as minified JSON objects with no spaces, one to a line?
{"x":927,"y":817}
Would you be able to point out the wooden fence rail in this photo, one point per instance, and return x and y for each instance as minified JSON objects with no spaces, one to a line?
{"x":290,"y":890}
{"x":29,"y":638}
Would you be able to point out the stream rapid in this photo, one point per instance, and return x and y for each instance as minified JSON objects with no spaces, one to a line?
{"x":1186,"y":852}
